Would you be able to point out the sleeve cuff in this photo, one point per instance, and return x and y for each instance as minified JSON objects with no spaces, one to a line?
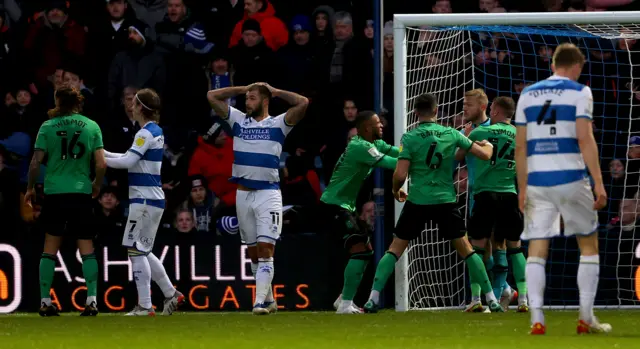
{"x":470,"y":146}
{"x":135,"y":152}
{"x":285,"y":121}
{"x":584,"y":117}
{"x":518,"y":123}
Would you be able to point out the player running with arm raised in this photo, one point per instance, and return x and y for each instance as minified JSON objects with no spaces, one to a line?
{"x":146,"y":204}
{"x":554,"y":141}
{"x":428,"y":156}
{"x":257,"y":145}
{"x":495,"y":210}
{"x":338,"y":208}
{"x":69,"y":141}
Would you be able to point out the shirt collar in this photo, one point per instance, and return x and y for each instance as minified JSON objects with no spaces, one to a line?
{"x":558,"y":77}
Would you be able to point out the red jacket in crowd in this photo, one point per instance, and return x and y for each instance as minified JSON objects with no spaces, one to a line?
{"x":274,"y":31}
{"x":47,"y":46}
{"x":215,"y":165}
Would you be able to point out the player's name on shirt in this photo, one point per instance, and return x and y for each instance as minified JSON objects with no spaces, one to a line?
{"x":62,"y":122}
{"x":546,"y":91}
{"x":432,"y":133}
{"x":510,"y":133}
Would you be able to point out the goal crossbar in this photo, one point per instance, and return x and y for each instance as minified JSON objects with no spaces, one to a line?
{"x":462,"y":22}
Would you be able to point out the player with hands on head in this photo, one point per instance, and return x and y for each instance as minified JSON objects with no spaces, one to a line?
{"x":427,"y":156}
{"x":554,"y":142}
{"x":69,"y":141}
{"x":146,"y":204}
{"x":364,"y":152}
{"x":257,"y":146}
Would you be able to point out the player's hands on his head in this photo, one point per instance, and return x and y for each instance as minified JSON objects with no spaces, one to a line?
{"x":29,"y":196}
{"x":601,"y":197}
{"x":271,"y":88}
{"x":400,"y":195}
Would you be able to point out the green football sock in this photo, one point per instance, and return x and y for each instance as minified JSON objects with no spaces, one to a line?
{"x":47,"y":269}
{"x":518,"y":265}
{"x":475,"y":284}
{"x":478,"y":272}
{"x":500,"y":270}
{"x":90,"y":273}
{"x":386,"y":266}
{"x":352,"y":276}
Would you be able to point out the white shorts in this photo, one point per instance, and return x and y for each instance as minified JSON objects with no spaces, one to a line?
{"x":142,"y":227}
{"x":259,"y":215}
{"x":545,"y":205}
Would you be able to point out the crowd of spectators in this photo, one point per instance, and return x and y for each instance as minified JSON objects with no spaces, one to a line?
{"x":109,"y":49}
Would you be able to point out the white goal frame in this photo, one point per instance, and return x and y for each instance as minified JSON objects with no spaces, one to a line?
{"x":400,"y":24}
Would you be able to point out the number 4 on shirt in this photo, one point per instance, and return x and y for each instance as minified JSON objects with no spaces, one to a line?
{"x":543,"y":119}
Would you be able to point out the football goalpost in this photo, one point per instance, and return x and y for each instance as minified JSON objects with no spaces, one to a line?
{"x":502,"y":53}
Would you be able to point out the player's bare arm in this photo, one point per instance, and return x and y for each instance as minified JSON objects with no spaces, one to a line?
{"x":521,"y":164}
{"x":461,"y":153}
{"x":101,"y":168}
{"x":399,"y":177}
{"x":298,"y":104}
{"x":482,"y":150}
{"x":218,"y":99}
{"x":34,"y":171}
{"x":589,"y":150}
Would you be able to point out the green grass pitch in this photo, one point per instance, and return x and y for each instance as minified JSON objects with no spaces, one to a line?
{"x":445,"y":329}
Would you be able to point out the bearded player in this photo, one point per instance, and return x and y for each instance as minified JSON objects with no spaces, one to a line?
{"x":364,"y":152}
{"x":554,"y":142}
{"x":146,"y":204}
{"x":70,"y":141}
{"x":475,"y":114}
{"x":495,"y":208}
{"x":428,"y":158}
{"x":257,"y":145}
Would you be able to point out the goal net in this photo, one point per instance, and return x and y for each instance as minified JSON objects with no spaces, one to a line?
{"x":503,"y":53}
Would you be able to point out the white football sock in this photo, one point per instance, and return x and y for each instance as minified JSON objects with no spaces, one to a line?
{"x":536,"y":279}
{"x":588,"y":276}
{"x":160,"y":277}
{"x":142,"y":275}
{"x":264,"y":276}
{"x":91,"y":299}
{"x":46,"y":301}
{"x":490,"y":297}
{"x":375,"y":296}
{"x":254,"y":270}
{"x":506,"y":290}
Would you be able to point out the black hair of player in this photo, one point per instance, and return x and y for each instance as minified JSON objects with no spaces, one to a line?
{"x":151,"y":105}
{"x":262,"y":90}
{"x":363,"y":117}
{"x":426,"y":105}
{"x":68,"y":101}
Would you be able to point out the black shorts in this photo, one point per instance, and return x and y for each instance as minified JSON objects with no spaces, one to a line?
{"x":498,"y":213}
{"x":68,"y":215}
{"x":344,"y":224}
{"x":414,"y":218}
